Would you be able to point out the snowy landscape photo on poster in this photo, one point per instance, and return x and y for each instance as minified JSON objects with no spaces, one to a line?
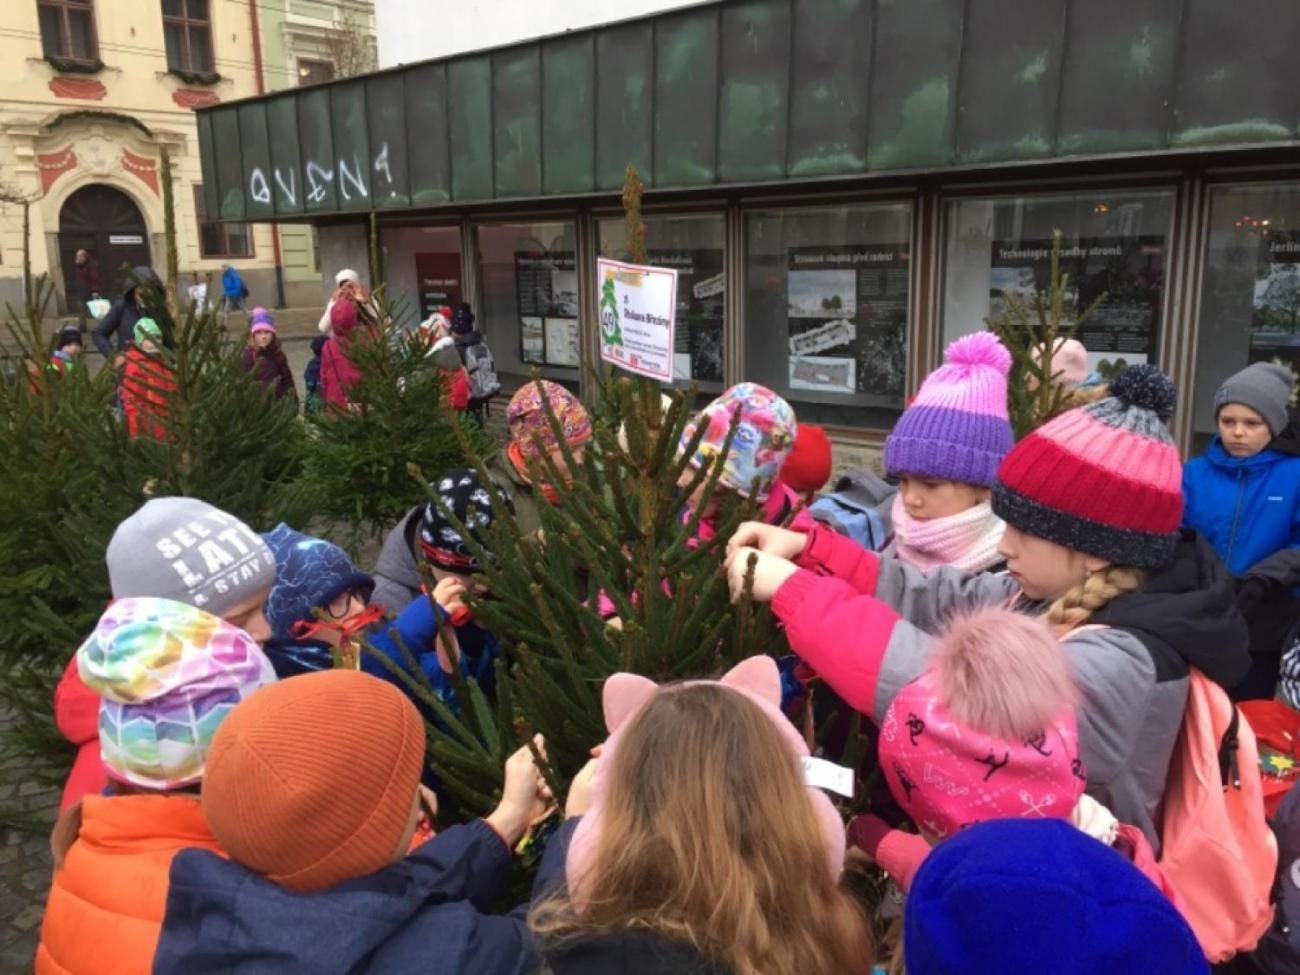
{"x":823,"y":294}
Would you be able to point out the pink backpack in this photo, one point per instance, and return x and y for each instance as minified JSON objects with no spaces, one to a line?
{"x":1218,"y":850}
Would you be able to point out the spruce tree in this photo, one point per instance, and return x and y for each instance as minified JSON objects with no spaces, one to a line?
{"x":1031,"y":331}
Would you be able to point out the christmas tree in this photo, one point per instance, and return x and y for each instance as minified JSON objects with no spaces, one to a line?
{"x":614,"y":538}
{"x":1032,"y":330}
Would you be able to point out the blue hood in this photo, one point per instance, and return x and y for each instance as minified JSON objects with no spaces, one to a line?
{"x":421,"y":915}
{"x":309,"y":572}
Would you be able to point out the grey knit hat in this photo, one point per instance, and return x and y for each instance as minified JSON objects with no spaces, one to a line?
{"x":186,"y":550}
{"x":1262,"y":386}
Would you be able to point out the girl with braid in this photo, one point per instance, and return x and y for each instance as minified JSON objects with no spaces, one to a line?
{"x":1092,"y":501}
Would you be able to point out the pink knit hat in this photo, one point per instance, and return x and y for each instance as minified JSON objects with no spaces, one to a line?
{"x":758,"y":679}
{"x":956,"y":429}
{"x":1070,"y":362}
{"x":988,"y":730}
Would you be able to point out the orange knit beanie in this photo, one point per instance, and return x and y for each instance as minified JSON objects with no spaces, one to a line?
{"x":311,"y":781}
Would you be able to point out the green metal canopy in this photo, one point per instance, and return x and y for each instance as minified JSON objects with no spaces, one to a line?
{"x":751,"y":91}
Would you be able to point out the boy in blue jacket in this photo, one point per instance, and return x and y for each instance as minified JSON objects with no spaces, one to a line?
{"x":313,"y":791}
{"x":1243,"y":495}
{"x":445,"y":633}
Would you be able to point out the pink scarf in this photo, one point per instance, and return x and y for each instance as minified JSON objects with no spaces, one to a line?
{"x":967,"y":541}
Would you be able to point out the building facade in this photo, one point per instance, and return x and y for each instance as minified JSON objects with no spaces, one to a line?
{"x":92,"y":90}
{"x":843,"y":185}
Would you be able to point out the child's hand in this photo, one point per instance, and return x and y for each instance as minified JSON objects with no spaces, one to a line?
{"x":448,"y":593}
{"x":780,"y":542}
{"x":524,"y":798}
{"x":580,"y":789}
{"x":770,"y":573}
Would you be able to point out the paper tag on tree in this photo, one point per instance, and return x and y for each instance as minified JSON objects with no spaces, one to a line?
{"x":821,"y":774}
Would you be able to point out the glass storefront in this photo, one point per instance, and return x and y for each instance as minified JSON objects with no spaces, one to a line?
{"x":827,"y":309}
{"x":1250,"y":290}
{"x":423,"y":270}
{"x":1114,"y":244}
{"x":693,"y":245}
{"x":528,"y":287}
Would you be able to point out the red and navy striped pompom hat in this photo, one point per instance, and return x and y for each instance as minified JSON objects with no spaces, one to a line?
{"x":1104,"y":479}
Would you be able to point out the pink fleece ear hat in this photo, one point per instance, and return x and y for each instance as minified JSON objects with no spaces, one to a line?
{"x":988,"y":730}
{"x":758,"y":679}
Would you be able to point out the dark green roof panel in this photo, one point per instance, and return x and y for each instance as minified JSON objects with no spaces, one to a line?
{"x":569,"y":115}
{"x":517,"y":123}
{"x":829,"y":85}
{"x":686,"y":98}
{"x":427,"y":150}
{"x":755,"y":82}
{"x":624,"y":95}
{"x":738,"y":92}
{"x":386,"y":111}
{"x":469,"y":105}
{"x":1117,"y":85}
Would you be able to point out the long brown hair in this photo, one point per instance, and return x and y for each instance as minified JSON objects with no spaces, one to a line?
{"x":709,"y":838}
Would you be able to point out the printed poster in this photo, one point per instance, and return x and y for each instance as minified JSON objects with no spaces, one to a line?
{"x":847,"y":313}
{"x":546,"y":289}
{"x":437,"y":279}
{"x":1122,"y":331}
{"x":697,"y":351}
{"x":638,"y":306}
{"x":1275,"y":317}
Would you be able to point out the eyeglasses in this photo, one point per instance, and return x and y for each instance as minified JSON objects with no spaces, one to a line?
{"x":340,"y":605}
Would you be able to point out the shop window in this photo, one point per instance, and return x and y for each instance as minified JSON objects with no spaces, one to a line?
{"x":826,"y":309}
{"x":187,"y":32}
{"x":68,"y":29}
{"x":692,"y":244}
{"x":1250,"y":290}
{"x":424,"y":273}
{"x":221,"y":239}
{"x":1114,"y":243}
{"x":312,"y":72}
{"x":528,"y":279}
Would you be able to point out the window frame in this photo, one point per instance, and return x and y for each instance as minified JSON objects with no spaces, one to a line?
{"x":63,"y":8}
{"x":298,"y":65}
{"x":186,"y":23}
{"x":200,"y":221}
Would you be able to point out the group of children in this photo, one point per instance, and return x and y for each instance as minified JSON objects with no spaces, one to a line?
{"x":252,"y":792}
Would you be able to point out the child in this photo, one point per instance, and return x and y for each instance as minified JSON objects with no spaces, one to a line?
{"x":1242,"y":495}
{"x":480,"y":366}
{"x":168,"y":674}
{"x":764,"y":438}
{"x":312,"y":574}
{"x":233,"y":292}
{"x":704,"y":849}
{"x":454,"y":377}
{"x":315,"y":399}
{"x":147,"y":382}
{"x":338,"y":373}
{"x":319,"y":879}
{"x":155,"y":553}
{"x":67,"y":350}
{"x":531,"y":437}
{"x":945,"y":452}
{"x":1092,"y":505}
{"x":264,"y":358}
{"x":1027,"y":898}
{"x":444,"y":632}
{"x":988,"y":732}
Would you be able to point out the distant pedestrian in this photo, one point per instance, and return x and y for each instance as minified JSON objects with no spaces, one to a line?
{"x":67,"y":350}
{"x":233,"y":290}
{"x":264,"y":358}
{"x":315,"y":398}
{"x":83,"y":287}
{"x":142,"y":295}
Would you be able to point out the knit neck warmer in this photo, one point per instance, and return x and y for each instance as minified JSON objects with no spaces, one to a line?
{"x":968,"y":540}
{"x":516,"y":458}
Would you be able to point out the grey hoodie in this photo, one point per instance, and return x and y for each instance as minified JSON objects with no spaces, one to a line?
{"x":397,"y":574}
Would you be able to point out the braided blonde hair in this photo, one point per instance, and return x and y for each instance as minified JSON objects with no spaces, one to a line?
{"x":1074,"y":608}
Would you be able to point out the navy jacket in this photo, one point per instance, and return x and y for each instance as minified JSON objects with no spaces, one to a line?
{"x":1247,"y":508}
{"x":422,"y":915}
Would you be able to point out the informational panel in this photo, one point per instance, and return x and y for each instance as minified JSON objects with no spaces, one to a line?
{"x":438,"y":278}
{"x":847,"y":311}
{"x":697,"y":338}
{"x":547,"y":288}
{"x":1122,"y":331}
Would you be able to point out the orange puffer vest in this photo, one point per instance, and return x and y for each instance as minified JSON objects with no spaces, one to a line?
{"x":107,"y":901}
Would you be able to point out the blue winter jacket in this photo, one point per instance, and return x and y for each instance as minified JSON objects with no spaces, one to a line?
{"x":232,"y":285}
{"x":1247,"y":508}
{"x":421,"y":915}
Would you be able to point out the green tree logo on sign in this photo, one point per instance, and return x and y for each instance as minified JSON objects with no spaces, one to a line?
{"x":609,"y":312}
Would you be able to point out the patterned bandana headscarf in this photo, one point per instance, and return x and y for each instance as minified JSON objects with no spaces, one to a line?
{"x":167,"y":674}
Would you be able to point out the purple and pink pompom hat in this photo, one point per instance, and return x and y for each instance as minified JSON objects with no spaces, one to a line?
{"x":957,"y":428}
